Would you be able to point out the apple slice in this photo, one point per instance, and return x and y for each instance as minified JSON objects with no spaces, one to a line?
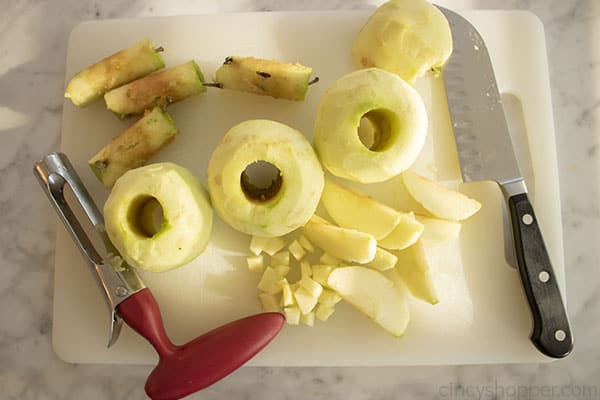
{"x":439,"y":200}
{"x":374,"y":295}
{"x":413,"y":269}
{"x":383,"y":260}
{"x":354,"y":210}
{"x":438,"y":230}
{"x":406,"y":233}
{"x":347,"y":244}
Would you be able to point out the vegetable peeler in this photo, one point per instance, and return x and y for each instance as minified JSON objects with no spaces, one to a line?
{"x":181,"y":369}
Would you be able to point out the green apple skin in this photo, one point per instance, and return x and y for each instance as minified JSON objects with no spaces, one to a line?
{"x":395,"y":106}
{"x":187,"y":213}
{"x":285,"y":148}
{"x":406,"y":37}
{"x":277,"y":79}
{"x":160,"y":89}
{"x":124,"y":66}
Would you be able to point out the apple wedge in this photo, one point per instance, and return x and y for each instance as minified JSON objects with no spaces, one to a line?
{"x":405,"y":234}
{"x":374,"y":295}
{"x":438,"y":230}
{"x":383,"y":260}
{"x":439,"y":200}
{"x":353,"y":210}
{"x":346,"y":244}
{"x":413,"y":269}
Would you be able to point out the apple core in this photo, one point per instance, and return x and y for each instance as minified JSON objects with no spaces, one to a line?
{"x":261,"y":181}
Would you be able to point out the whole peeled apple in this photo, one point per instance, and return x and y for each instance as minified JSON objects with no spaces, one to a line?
{"x":406,"y":37}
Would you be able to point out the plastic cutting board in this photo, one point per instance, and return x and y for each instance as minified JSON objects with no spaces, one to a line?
{"x":482,"y":316}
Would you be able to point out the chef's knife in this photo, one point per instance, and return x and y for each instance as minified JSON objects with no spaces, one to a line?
{"x":485,"y":152}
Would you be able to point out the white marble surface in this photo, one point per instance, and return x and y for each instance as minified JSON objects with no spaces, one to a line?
{"x":33,"y":36}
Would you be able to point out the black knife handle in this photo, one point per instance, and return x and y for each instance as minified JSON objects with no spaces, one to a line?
{"x":551,"y":331}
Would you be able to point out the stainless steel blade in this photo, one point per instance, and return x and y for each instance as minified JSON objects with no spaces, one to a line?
{"x":481,"y":133}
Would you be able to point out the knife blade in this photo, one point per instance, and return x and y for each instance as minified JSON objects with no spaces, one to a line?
{"x":486,"y":152}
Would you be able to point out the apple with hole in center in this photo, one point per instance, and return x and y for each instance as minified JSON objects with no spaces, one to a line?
{"x":264,"y":178}
{"x":158,"y":217}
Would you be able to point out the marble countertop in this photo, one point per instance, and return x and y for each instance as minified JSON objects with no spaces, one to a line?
{"x":33,"y":40}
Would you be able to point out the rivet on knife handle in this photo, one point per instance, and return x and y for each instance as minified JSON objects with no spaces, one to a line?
{"x":551,"y":331}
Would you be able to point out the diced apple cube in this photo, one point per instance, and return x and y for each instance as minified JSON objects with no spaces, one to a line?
{"x":257,"y":244}
{"x":323,"y":312}
{"x":269,"y":282}
{"x":297,"y":251}
{"x":305,"y":269}
{"x":328,"y":259}
{"x":287,"y":297}
{"x":383,"y":260}
{"x":269,"y":302}
{"x":329,"y":298}
{"x":320,"y":273}
{"x":255,"y":263}
{"x":306,"y":244}
{"x":281,"y":258}
{"x":311,"y":286}
{"x":292,"y":315}
{"x":308,"y":319}
{"x":274,"y":245}
{"x":282,"y":270}
{"x":306,"y":301}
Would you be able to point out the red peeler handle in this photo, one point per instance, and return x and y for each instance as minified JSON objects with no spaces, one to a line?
{"x":195,"y":365}
{"x":142,"y":314}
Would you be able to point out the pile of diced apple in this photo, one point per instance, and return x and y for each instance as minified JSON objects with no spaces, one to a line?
{"x":370,"y":255}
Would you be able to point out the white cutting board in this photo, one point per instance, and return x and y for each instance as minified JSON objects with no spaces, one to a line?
{"x":482,"y":316}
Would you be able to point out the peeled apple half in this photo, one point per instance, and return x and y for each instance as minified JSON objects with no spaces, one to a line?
{"x":264,"y":178}
{"x":406,"y":37}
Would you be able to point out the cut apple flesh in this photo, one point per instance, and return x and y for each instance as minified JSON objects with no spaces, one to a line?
{"x":439,"y":200}
{"x":351,"y":209}
{"x":374,"y":295}
{"x":438,"y":230}
{"x":383,"y":260}
{"x":414,"y":270}
{"x":347,"y":244}
{"x":406,"y":233}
